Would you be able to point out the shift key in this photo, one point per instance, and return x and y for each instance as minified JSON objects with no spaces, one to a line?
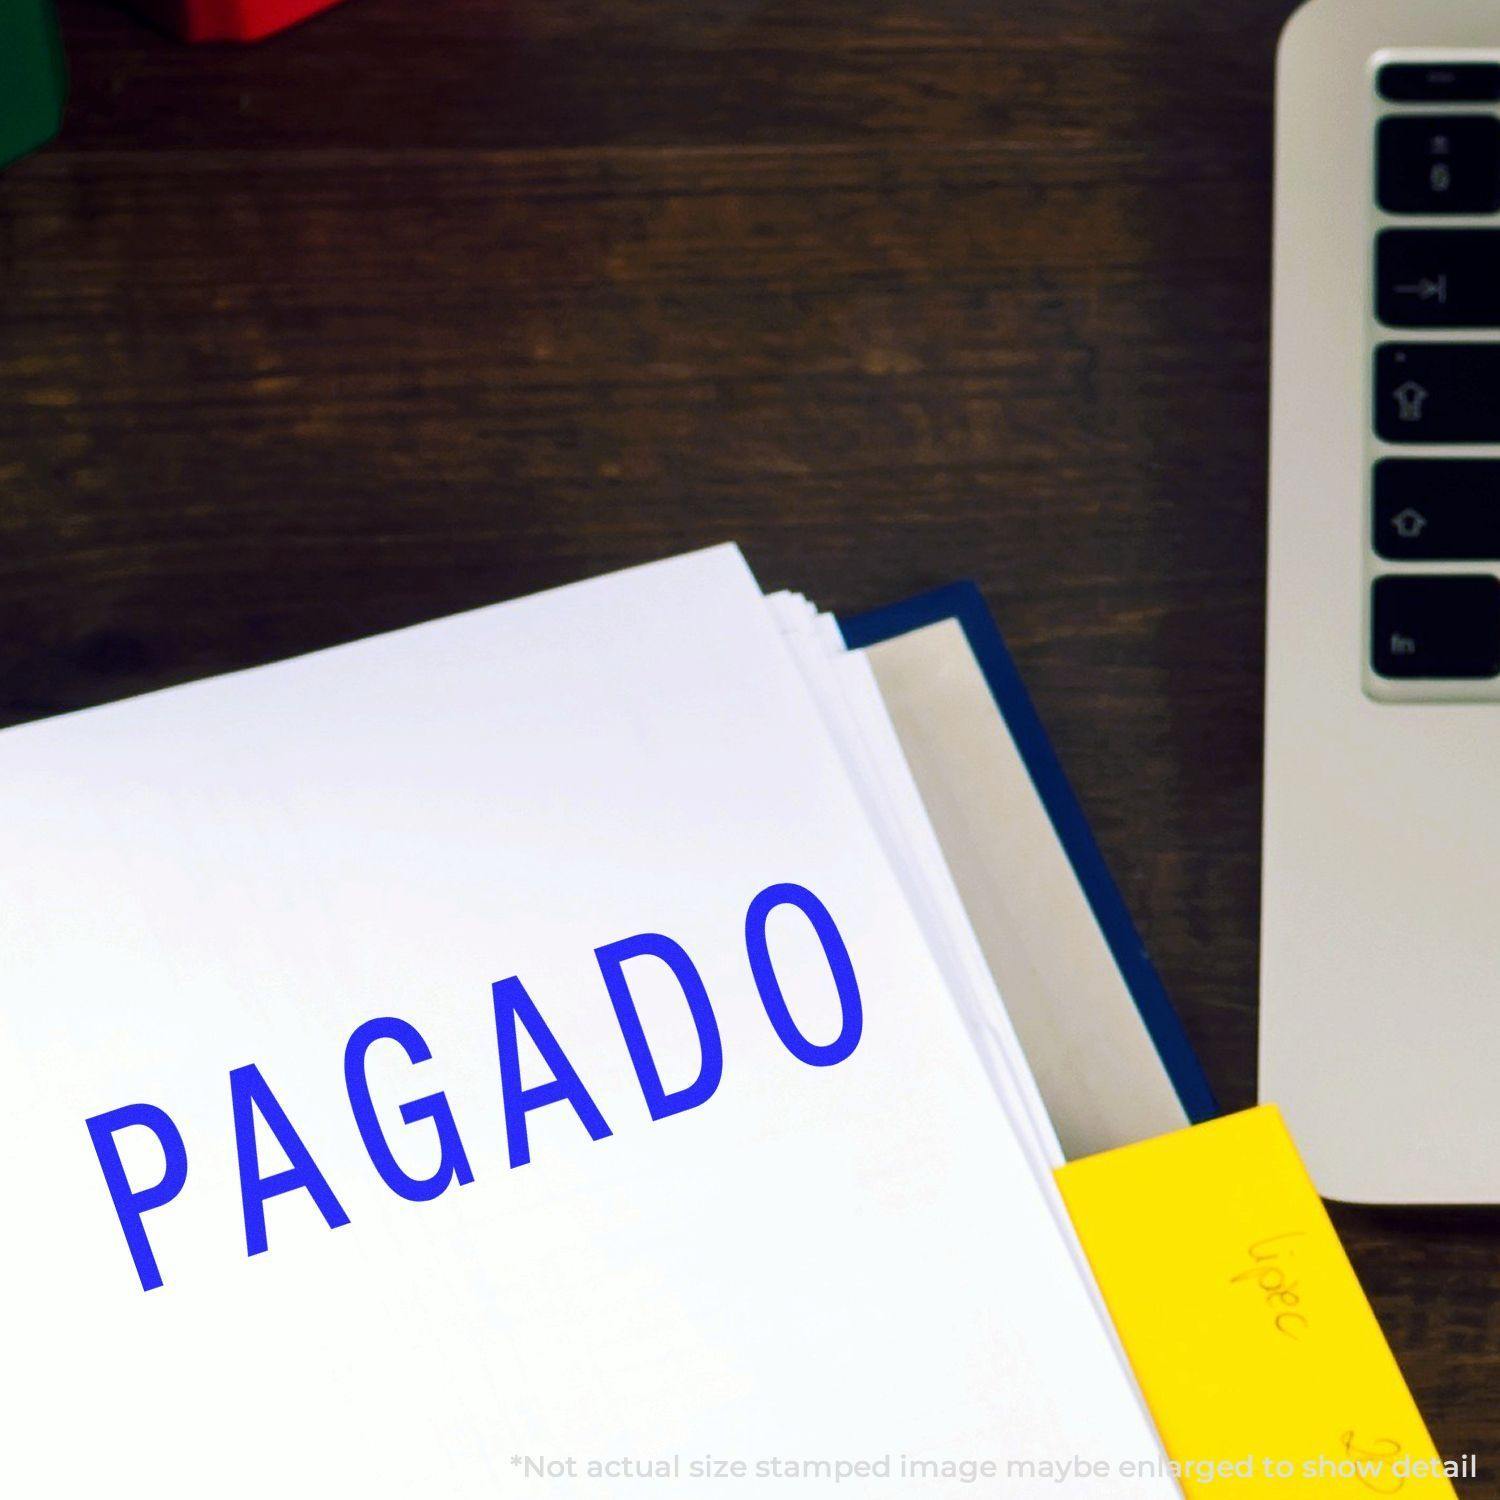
{"x":1437,"y":393}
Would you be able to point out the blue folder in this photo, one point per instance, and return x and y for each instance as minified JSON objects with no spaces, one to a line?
{"x":964,"y":604}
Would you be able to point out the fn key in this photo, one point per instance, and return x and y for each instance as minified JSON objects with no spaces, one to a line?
{"x":1436,"y":626}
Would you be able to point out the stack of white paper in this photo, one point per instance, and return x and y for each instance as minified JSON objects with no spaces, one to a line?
{"x":538,"y":1052}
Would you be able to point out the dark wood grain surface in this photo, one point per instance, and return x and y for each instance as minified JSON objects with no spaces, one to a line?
{"x":433,"y":302}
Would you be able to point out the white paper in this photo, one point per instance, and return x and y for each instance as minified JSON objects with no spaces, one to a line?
{"x":817,"y":1263}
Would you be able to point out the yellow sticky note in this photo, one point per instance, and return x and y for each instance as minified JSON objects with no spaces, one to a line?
{"x":1257,"y":1350}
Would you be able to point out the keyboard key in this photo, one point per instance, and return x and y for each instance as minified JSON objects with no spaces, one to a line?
{"x":1439,"y":83}
{"x":1437,"y":509}
{"x":1436,"y":627}
{"x":1438,"y":278}
{"x":1437,"y":393}
{"x":1439,"y":164}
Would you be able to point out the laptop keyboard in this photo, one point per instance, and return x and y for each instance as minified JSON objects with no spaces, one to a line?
{"x":1436,"y":385}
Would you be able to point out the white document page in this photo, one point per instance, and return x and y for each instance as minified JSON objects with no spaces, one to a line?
{"x":839,"y":1263}
{"x":844,"y":689}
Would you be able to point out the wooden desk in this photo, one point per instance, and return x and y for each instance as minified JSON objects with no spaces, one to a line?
{"x":433,"y":302}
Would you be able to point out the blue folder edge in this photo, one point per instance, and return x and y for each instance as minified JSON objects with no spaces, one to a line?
{"x":964,"y":603}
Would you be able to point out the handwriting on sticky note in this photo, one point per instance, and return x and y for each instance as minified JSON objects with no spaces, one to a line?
{"x":1270,"y":1272}
{"x":1243,"y":1319}
{"x":1375,"y":1461}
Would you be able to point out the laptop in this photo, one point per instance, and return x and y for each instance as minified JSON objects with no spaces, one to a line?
{"x":1380,"y":978}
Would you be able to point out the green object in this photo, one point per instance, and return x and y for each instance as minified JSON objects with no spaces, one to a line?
{"x":33,"y":76}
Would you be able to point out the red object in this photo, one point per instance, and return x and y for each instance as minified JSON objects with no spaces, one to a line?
{"x":229,"y":20}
